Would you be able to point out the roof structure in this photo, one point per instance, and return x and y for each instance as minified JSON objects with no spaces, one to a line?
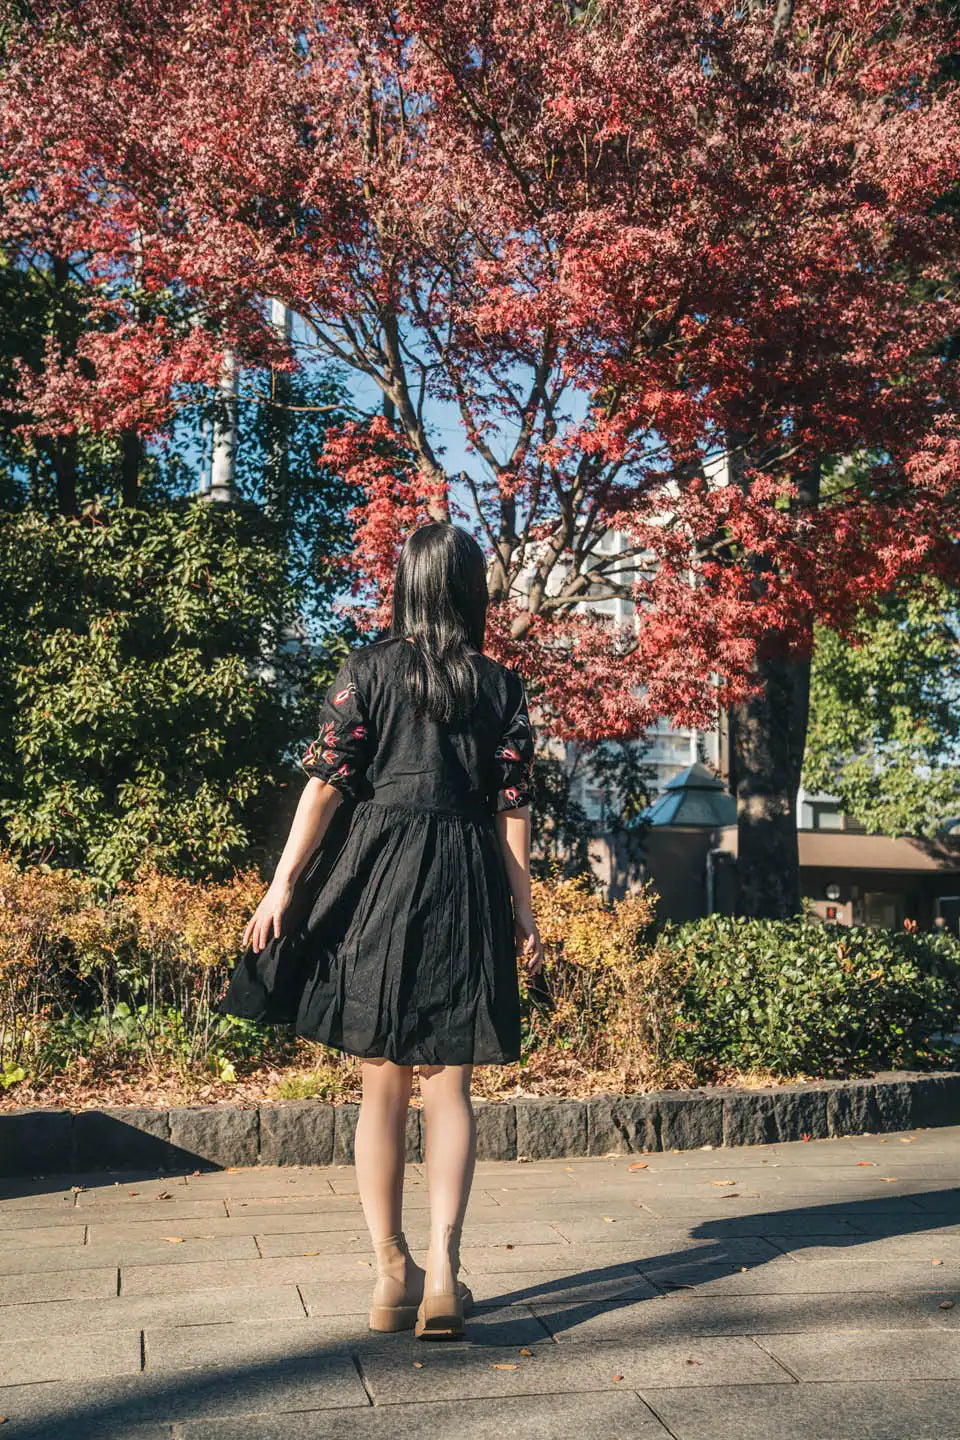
{"x":694,"y":797}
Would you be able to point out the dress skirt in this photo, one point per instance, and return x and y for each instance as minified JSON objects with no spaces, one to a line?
{"x":399,"y":942}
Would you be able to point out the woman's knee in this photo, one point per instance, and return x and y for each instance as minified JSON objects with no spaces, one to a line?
{"x":383,"y":1077}
{"x":445,"y":1080}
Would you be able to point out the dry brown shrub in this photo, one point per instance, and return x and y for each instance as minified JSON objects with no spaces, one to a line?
{"x":608,"y":994}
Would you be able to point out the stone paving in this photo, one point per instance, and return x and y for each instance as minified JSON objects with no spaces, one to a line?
{"x":808,"y":1291}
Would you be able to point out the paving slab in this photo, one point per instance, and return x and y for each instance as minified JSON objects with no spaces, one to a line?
{"x":619,"y":1416}
{"x":521,"y":1287}
{"x":868,"y":1355}
{"x":681,"y":1315}
{"x":482,"y":1234}
{"x":27,"y":1236}
{"x":180,"y":1245}
{"x":92,"y":1283}
{"x":69,"y":1356}
{"x":331,"y":1270}
{"x":110,"y":1408}
{"x":454,"y":1371}
{"x":894,"y":1410}
{"x":787,"y":1278}
{"x":122,"y":1312}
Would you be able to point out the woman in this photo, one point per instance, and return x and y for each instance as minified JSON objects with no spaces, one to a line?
{"x":397,"y":938}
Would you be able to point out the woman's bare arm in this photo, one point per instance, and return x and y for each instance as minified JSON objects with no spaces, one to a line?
{"x":513,"y":830}
{"x":314,"y":813}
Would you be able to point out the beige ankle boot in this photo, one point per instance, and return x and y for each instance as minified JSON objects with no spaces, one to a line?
{"x":446,"y":1300}
{"x":399,"y":1286}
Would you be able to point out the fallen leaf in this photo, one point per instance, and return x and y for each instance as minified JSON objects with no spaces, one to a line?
{"x":525,"y":1351}
{"x":172,"y":1239}
{"x":164,"y":1195}
{"x":889,"y":1179}
{"x":368,"y":1263}
{"x":638,"y":1165}
{"x":805,"y":1136}
{"x":866,"y":1162}
{"x":693,"y":1362}
{"x":311,"y":1252}
{"x":418,"y":1364}
{"x":609,"y":1219}
{"x":946,"y":1305}
{"x":508,"y":1247}
{"x":730,"y":1195}
{"x":907,"y":1139}
{"x":723,"y":1182}
{"x":744,"y":1267}
{"x":936,"y":1262}
{"x":618,"y":1377}
{"x":505,"y":1365}
{"x":131,"y":1193}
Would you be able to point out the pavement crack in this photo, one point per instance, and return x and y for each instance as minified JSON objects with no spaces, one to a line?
{"x":775,"y":1358}
{"x":363,"y":1379}
{"x":656,"y":1414}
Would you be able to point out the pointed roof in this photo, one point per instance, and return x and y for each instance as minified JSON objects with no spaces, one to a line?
{"x":694,"y":797}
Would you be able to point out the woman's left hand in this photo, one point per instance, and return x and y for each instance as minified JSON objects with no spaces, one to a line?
{"x":265,"y":921}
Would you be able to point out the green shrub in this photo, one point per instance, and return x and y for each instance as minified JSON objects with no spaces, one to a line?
{"x":796,"y":998}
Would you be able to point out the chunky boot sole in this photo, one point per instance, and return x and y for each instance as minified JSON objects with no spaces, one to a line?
{"x":393,"y":1317}
{"x":440,"y":1317}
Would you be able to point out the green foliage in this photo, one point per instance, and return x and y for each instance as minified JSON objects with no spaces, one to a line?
{"x":884,"y":729}
{"x":794,"y":998}
{"x":147,"y":700}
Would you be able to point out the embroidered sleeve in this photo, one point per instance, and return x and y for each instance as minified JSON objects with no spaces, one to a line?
{"x":514,"y":757}
{"x":341,"y":752}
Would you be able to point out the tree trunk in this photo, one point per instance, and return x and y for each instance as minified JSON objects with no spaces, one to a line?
{"x":63,"y":457}
{"x":767,"y":739}
{"x":130,"y":453}
{"x":224,"y":462}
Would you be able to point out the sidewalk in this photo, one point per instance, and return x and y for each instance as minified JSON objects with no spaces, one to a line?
{"x":803,"y":1291}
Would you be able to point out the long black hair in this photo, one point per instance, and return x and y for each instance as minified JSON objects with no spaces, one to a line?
{"x":440,"y":603}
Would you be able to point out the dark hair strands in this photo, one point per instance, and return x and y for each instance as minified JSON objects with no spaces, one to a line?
{"x":440,"y":604}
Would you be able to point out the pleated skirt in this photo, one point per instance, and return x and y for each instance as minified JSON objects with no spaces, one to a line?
{"x":399,"y":943}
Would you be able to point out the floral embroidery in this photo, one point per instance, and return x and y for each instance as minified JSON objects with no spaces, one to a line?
{"x":343,"y":695}
{"x":507,"y":752}
{"x":329,"y":756}
{"x":358,"y":732}
{"x":511,"y":793}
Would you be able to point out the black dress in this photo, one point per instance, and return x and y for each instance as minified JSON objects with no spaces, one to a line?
{"x":399,"y":941}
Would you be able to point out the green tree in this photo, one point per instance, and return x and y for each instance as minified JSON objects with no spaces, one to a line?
{"x":139,"y":717}
{"x":884,"y":730}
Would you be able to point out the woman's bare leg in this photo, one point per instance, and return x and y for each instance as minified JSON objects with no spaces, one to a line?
{"x":380,"y":1145}
{"x":379,"y":1155}
{"x":451,"y":1156}
{"x":451,"y":1140}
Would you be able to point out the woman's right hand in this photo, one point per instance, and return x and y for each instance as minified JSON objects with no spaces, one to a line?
{"x":529,"y":946}
{"x":267,"y":916}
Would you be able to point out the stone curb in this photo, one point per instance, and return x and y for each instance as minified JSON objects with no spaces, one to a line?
{"x":308,"y":1132}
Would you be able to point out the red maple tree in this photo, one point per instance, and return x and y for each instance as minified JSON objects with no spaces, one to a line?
{"x":627,"y":242}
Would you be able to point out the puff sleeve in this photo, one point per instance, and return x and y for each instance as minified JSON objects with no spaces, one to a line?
{"x":513,"y":756}
{"x":341,"y":752}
